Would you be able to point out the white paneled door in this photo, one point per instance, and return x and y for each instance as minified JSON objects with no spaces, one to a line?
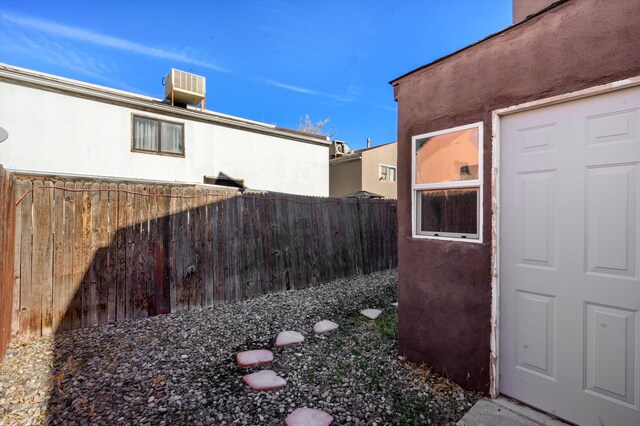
{"x":570,"y":257}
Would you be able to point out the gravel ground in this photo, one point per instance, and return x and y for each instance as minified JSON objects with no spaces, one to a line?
{"x":180,"y":368}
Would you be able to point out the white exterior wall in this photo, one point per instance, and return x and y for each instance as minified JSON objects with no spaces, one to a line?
{"x":280,"y":162}
{"x":58,"y":133}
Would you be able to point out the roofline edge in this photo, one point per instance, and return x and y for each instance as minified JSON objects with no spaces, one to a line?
{"x":30,"y":78}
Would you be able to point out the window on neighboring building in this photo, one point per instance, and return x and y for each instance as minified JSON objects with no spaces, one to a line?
{"x":387,"y":173}
{"x":158,"y":136}
{"x":447,"y":183}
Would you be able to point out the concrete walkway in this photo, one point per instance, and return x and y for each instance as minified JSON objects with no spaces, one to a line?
{"x":506,"y":412}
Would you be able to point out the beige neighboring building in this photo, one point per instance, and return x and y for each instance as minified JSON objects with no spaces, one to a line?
{"x":370,"y":169}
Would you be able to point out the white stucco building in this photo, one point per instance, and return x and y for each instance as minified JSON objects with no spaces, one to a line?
{"x":67,"y":127}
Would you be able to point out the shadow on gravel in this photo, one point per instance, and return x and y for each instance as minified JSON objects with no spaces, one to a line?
{"x":180,"y":368}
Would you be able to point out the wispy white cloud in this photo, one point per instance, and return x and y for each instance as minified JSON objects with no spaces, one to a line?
{"x":62,"y":55}
{"x":351,"y":96}
{"x":388,"y":108}
{"x":292,"y":87}
{"x":306,"y":91}
{"x":83,"y":35}
{"x":33,"y":38}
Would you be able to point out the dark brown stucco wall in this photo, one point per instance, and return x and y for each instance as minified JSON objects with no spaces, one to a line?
{"x":445,"y":287}
{"x":524,"y":8}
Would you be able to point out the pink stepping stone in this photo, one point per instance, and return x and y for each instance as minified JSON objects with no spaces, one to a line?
{"x":308,"y":417}
{"x":371,"y":313}
{"x":324,"y":326}
{"x":264,"y":380}
{"x":286,"y":338}
{"x":256,"y":357}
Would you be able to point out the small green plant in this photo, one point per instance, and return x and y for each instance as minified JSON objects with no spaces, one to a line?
{"x":413,"y":411}
{"x":375,"y":374}
{"x":337,"y":343}
{"x":453,"y":405}
{"x":312,"y":377}
{"x":388,"y":326}
{"x":343,"y":367}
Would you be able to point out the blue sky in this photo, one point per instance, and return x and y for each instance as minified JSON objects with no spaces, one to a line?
{"x":271,"y":61}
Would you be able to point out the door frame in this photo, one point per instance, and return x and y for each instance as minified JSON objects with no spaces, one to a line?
{"x":496,"y":116}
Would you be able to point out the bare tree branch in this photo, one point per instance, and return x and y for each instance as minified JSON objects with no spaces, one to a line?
{"x":318,"y":128}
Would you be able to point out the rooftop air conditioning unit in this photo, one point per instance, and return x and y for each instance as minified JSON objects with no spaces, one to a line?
{"x":185,"y":88}
{"x":339,"y":148}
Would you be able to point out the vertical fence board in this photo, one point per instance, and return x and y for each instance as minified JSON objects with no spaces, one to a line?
{"x":267,"y":240}
{"x":190,"y":249}
{"x":47,"y":271}
{"x":111,"y":275}
{"x":78,"y":264}
{"x":144,"y":284}
{"x":7,"y":260}
{"x":294,"y":228}
{"x":209,"y":265}
{"x":175,"y":259}
{"x":121,"y":253}
{"x":245,"y":251}
{"x":58,"y":285}
{"x":196,"y":243}
{"x":139,"y":284}
{"x":15,"y":322}
{"x":173,"y":271}
{"x":85,"y":259}
{"x":6,"y":281}
{"x":235,"y":233}
{"x":149,"y":287}
{"x":259,"y":273}
{"x":224,"y":245}
{"x":26,"y":253}
{"x":196,"y":239}
{"x":284,"y":219}
{"x":202,"y":256}
{"x":184,"y":272}
{"x":39,"y":257}
{"x":130,"y":248}
{"x":68,"y":230}
{"x":135,"y":253}
{"x":275,"y":251}
{"x":182,"y":295}
{"x":218,"y":250}
{"x":94,"y":260}
{"x":214,"y":242}
{"x":155,"y":263}
{"x":206,"y":251}
{"x":150,"y":258}
{"x":164,"y":273}
{"x":101,"y":256}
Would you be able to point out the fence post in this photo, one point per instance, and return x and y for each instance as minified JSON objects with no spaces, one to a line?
{"x":7,"y":241}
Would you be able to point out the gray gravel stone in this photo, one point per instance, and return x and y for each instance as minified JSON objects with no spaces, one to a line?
{"x":180,"y":368}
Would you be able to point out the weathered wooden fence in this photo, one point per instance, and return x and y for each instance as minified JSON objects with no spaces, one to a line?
{"x":91,"y":252}
{"x":7,"y":233}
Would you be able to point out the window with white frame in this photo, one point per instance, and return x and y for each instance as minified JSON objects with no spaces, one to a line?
{"x":387,"y":173}
{"x":447,"y":184}
{"x":157,"y":136}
